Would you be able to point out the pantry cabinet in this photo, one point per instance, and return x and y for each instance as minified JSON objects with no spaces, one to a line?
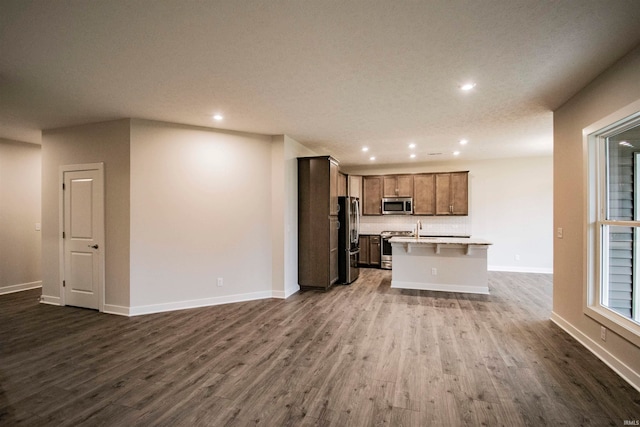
{"x":318,"y":181}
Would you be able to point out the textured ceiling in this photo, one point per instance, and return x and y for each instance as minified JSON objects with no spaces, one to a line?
{"x":334,"y":75}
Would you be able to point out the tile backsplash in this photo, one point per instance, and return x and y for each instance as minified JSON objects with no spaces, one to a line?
{"x":431,"y":225}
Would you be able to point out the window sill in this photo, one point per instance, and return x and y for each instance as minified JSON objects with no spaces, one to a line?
{"x":627,"y":329}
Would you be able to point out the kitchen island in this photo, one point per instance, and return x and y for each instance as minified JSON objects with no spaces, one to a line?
{"x":447,"y":264}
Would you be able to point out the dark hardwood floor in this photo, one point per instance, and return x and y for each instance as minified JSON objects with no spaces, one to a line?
{"x":362,"y":354}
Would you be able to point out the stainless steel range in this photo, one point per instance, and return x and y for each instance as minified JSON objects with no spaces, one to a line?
{"x":385,"y":247}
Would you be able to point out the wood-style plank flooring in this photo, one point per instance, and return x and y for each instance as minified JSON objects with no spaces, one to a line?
{"x":363,"y":354}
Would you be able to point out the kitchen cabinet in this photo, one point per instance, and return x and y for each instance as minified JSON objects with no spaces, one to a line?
{"x":333,"y":186}
{"x":374,"y":251}
{"x":355,"y":186}
{"x":334,"y":272}
{"x":372,"y":195}
{"x":424,"y":194}
{"x":369,"y":250}
{"x":433,"y":193}
{"x":342,"y":184}
{"x":317,"y":222}
{"x":397,"y":186}
{"x":364,"y":250}
{"x":452,"y":193}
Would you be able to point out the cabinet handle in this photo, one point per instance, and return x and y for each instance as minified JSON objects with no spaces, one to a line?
{"x":450,"y":208}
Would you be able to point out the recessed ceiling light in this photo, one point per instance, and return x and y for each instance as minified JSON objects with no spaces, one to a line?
{"x":412,"y":145}
{"x":413,"y":156}
{"x":372,"y":158}
{"x":463,"y":141}
{"x":365,"y":149}
{"x":467,"y":86}
{"x":456,"y":153}
{"x":218,"y":117}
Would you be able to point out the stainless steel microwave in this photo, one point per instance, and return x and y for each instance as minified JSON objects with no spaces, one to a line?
{"x":397,"y":206}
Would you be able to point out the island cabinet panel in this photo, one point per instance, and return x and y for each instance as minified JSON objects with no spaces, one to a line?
{"x":460,"y":263}
{"x":424,"y":194}
{"x":372,"y":195}
{"x":452,"y":193}
{"x":317,"y":223}
{"x":398,"y":186}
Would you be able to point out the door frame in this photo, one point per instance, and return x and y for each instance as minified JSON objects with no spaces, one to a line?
{"x":76,"y":168}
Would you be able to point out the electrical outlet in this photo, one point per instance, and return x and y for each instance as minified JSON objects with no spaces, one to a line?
{"x":219,"y":281}
{"x":434,"y":271}
{"x":603,"y":333}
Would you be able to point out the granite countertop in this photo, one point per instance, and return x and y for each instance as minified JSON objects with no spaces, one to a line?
{"x":440,"y":240}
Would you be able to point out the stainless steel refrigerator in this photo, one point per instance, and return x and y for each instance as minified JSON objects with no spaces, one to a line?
{"x":348,"y":239}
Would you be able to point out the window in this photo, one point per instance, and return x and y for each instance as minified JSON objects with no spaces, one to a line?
{"x":613,"y":290}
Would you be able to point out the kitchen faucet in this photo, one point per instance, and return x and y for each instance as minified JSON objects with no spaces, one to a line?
{"x":418,"y":228}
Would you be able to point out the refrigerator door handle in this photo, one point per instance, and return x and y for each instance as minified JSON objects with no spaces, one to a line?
{"x":357,"y":219}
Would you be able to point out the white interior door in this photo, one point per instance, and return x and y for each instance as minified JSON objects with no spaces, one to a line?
{"x":83,"y":240}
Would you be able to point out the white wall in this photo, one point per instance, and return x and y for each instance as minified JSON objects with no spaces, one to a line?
{"x":201,"y":204}
{"x":106,"y":142}
{"x":510,"y":204}
{"x":292,"y":150}
{"x":616,"y":88}
{"x":278,"y":225}
{"x":20,"y":182}
{"x":284,"y":170}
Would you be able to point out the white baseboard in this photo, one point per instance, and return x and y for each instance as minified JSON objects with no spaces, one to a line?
{"x":20,"y":287}
{"x":181,"y":305}
{"x":625,"y":372}
{"x":440,"y":287}
{"x":204,"y":302}
{"x":48,"y":299}
{"x":278,"y":294}
{"x":290,"y":291}
{"x":511,"y":269}
{"x":116,"y":309}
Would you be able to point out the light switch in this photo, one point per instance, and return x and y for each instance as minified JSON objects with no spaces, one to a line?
{"x":38,"y":226}
{"x":560,"y":233}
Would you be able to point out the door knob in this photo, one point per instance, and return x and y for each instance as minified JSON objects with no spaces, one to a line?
{"x":93,"y":246}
